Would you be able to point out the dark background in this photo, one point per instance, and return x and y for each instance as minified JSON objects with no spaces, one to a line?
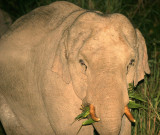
{"x":144,"y":15}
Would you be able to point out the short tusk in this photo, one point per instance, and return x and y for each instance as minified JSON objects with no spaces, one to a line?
{"x":92,"y":113}
{"x":128,"y":114}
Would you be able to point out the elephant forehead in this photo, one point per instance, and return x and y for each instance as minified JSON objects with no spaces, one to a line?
{"x":107,"y":54}
{"x":107,"y":43}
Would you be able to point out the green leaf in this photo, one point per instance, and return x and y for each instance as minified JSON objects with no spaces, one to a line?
{"x":79,"y":116}
{"x":88,"y":122}
{"x":133,"y":105}
{"x":84,"y":114}
{"x":131,"y":87}
{"x":136,"y":96}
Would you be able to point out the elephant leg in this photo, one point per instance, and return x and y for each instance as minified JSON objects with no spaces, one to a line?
{"x":9,"y":121}
{"x":126,"y":126}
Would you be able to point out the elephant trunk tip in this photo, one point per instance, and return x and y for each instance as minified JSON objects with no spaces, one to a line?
{"x":128,"y":114}
{"x":92,"y":113}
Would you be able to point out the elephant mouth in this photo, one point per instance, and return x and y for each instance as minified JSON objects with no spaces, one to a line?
{"x":126,"y":112}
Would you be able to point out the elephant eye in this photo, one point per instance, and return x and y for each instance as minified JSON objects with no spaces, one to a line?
{"x":132,"y":62}
{"x":130,"y":65}
{"x":83,"y":64}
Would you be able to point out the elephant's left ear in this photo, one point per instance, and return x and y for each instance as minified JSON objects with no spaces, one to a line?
{"x":60,"y":64}
{"x":142,"y":59}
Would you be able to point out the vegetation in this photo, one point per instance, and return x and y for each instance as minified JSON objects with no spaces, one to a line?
{"x":145,"y":15}
{"x":148,"y":119}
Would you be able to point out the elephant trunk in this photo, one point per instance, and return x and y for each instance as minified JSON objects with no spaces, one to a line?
{"x":109,"y":119}
{"x":107,"y":98}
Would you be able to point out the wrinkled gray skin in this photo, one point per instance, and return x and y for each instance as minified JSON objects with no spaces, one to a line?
{"x":43,"y":84}
{"x":5,"y":22}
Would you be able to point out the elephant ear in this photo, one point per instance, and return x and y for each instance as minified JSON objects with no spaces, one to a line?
{"x":142,"y":62}
{"x":60,"y":64}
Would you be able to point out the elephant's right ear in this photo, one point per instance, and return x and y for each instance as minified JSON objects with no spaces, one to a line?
{"x":60,"y":64}
{"x":142,"y":60}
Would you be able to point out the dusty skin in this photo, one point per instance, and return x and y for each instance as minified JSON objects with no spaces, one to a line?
{"x":5,"y":22}
{"x":60,"y":56}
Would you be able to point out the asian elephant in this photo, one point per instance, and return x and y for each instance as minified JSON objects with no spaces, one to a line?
{"x":5,"y":22}
{"x":60,"y":56}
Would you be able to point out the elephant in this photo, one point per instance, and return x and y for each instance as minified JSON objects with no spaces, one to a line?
{"x":5,"y":22}
{"x":60,"y":56}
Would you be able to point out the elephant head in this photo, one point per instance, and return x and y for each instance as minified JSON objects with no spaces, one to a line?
{"x":100,"y":56}
{"x":5,"y":22}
